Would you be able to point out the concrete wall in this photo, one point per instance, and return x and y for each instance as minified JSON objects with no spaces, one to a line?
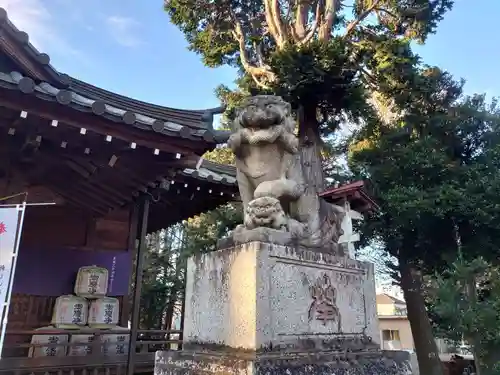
{"x":401,"y":324}
{"x":386,"y":309}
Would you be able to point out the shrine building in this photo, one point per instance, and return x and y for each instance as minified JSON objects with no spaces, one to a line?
{"x":98,"y":171}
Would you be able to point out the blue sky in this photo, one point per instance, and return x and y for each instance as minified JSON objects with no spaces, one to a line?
{"x":129,"y":46}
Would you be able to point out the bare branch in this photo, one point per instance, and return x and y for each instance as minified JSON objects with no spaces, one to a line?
{"x":260,"y":55}
{"x":361,"y":18}
{"x":387,"y":12}
{"x":314,"y":27}
{"x":260,"y":74}
{"x":331,"y":8}
{"x":293,"y":34}
{"x":274,"y":28}
{"x":288,"y":13}
{"x":369,"y":79}
{"x":301,"y":13}
{"x":278,"y":21}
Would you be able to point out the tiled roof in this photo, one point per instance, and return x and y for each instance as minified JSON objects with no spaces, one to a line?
{"x":45,"y":91}
{"x":202,"y":119}
{"x":27,"y":74}
{"x":213,"y":172}
{"x":36,"y":57}
{"x":37,"y":76}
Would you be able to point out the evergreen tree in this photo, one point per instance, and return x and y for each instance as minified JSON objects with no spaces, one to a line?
{"x":432,"y":174}
{"x":465,"y":299}
{"x":320,"y":55}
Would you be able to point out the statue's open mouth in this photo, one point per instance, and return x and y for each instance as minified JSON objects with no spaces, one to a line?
{"x":263,"y":214}
{"x":259,"y":118}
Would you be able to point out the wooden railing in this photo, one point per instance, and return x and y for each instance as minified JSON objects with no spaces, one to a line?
{"x":94,"y":360}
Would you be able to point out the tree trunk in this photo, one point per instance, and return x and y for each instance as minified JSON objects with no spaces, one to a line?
{"x":425,"y":345}
{"x":311,"y":145}
{"x":169,"y":311}
{"x":485,"y":359}
{"x":324,"y":219}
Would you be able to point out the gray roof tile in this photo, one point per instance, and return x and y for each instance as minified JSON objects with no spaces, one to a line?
{"x":46,"y":91}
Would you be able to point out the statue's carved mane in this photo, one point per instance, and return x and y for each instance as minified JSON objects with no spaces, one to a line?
{"x":262,"y":101}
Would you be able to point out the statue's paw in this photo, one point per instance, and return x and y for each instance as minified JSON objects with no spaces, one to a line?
{"x":298,"y":229}
{"x":248,"y":223}
{"x":281,"y":222}
{"x":294,"y":145}
{"x":234,"y":141}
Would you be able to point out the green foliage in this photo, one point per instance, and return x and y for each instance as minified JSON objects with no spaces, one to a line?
{"x":432,"y":170}
{"x":210,"y":26}
{"x":425,"y":170}
{"x":162,"y":277}
{"x":466,"y":301}
{"x":203,"y":231}
{"x":165,"y":261}
{"x":321,"y":55}
{"x":321,"y":75}
{"x":222,"y":155}
{"x":232,"y":99}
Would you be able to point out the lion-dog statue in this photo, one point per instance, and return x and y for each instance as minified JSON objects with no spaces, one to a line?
{"x":270,"y":177}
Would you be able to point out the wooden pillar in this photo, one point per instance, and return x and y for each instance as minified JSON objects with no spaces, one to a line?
{"x":132,"y":238}
{"x":136,"y":301}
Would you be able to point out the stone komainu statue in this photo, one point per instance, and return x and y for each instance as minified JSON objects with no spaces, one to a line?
{"x":270,"y":177}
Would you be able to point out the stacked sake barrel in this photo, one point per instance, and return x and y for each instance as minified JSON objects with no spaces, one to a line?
{"x":88,"y":308}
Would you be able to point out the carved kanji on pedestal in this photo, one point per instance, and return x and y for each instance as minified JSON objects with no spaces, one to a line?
{"x":324,"y":305}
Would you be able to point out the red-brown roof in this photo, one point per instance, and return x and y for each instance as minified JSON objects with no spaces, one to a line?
{"x":354,"y":192}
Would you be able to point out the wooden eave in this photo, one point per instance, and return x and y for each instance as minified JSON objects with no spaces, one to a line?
{"x":66,"y":106}
{"x":98,"y":176}
{"x":209,"y":186}
{"x":353,"y":192}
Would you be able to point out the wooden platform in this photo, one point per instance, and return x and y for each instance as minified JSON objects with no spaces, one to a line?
{"x":94,"y":363}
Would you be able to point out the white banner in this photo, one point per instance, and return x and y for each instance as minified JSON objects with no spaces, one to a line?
{"x":9,"y":221}
{"x":11,"y":224}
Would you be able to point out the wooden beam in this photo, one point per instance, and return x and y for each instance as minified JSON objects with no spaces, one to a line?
{"x":85,"y":206}
{"x":132,"y":238}
{"x":85,"y":187}
{"x":136,"y":301}
{"x":51,"y":110}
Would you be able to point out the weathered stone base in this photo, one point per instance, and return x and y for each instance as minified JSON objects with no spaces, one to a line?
{"x":263,"y":295}
{"x":323,"y":363}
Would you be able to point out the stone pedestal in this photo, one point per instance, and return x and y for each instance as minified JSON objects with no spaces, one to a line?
{"x":260,"y":308}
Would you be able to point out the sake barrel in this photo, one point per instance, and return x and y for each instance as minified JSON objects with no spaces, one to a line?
{"x":116,"y":343}
{"x":104,"y":313}
{"x":91,"y":282}
{"x":70,"y":312}
{"x":48,"y":338}
{"x":81,"y":350}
